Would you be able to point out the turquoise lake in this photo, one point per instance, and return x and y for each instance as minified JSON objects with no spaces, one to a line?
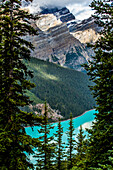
{"x":85,"y":120}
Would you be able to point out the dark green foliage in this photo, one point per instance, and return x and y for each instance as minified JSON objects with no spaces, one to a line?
{"x":70,"y":87}
{"x":33,"y":98}
{"x":74,"y":56}
{"x":54,"y":58}
{"x":108,"y":166}
{"x":71,"y":143}
{"x":70,"y":56}
{"x":81,"y":148}
{"x":59,"y":147}
{"x":80,"y":143}
{"x":14,"y":141}
{"x":46,"y":149}
{"x":100,"y":71}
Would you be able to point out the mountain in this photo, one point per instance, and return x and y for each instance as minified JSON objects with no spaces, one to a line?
{"x":61,"y":39}
{"x":64,"y":89}
{"x":87,"y":31}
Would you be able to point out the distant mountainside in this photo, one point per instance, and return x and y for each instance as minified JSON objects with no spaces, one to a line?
{"x":61,"y":39}
{"x":63,"y":88}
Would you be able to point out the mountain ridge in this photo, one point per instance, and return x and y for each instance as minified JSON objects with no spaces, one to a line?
{"x":58,"y":38}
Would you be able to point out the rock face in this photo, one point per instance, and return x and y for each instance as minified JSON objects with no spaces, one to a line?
{"x":47,"y":21}
{"x":86,"y":36}
{"x":39,"y":109}
{"x":63,"y":14}
{"x":61,"y":39}
{"x":84,"y":25}
{"x":86,"y":31}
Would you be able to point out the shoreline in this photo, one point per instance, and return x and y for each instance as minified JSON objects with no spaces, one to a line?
{"x":74,"y":117}
{"x":64,"y":120}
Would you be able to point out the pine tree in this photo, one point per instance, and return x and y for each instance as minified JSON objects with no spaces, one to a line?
{"x":14,"y":142}
{"x":100,"y":71}
{"x":46,"y":149}
{"x":81,"y":147}
{"x":71,"y":143}
{"x":80,"y":142}
{"x":59,"y":147}
{"x":106,"y":166}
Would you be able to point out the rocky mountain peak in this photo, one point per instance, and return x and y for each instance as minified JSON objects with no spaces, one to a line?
{"x":84,"y":25}
{"x":61,"y":13}
{"x":61,"y":39}
{"x":47,"y":21}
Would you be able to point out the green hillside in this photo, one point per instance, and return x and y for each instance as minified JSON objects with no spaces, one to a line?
{"x":64,"y":89}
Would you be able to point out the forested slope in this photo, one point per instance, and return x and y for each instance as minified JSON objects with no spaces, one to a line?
{"x":63,"y":88}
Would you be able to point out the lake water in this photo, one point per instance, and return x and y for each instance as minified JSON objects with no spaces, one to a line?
{"x":85,"y":120}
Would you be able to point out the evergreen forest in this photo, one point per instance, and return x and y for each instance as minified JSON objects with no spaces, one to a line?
{"x":17,"y":85}
{"x":64,"y":89}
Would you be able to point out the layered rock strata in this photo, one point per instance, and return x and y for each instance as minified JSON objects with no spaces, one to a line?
{"x":61,"y":43}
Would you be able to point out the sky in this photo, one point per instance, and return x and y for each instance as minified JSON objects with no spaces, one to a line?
{"x":80,"y":8}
